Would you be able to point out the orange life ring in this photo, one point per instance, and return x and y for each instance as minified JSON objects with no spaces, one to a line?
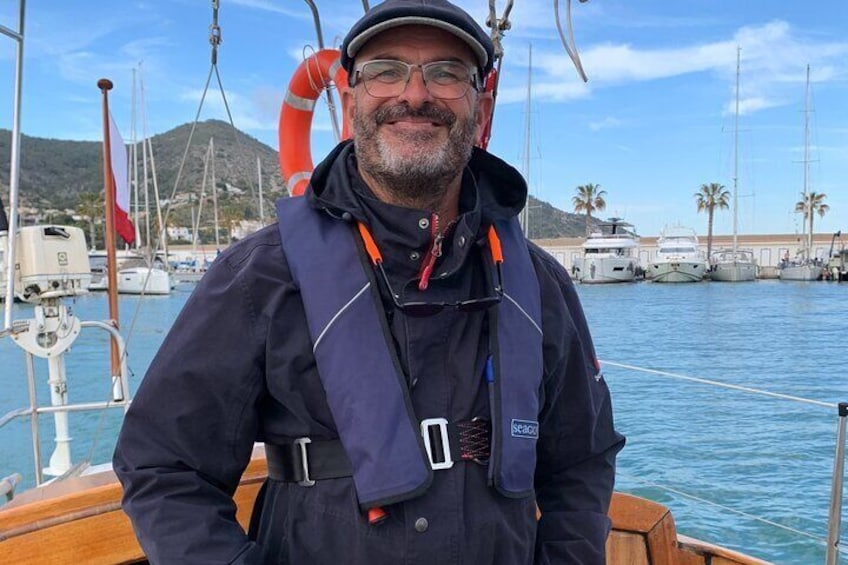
{"x":313,"y":75}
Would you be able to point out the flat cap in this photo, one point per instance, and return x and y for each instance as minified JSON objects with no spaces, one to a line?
{"x":437,"y":13}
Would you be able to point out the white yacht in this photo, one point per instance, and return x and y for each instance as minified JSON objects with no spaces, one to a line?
{"x":145,"y":280}
{"x":608,"y":257}
{"x":678,"y":258}
{"x":134,"y":275}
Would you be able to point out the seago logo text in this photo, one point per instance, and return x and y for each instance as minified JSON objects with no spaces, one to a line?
{"x":525,"y":429}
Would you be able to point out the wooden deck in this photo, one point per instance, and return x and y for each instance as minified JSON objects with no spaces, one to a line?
{"x":80,"y":521}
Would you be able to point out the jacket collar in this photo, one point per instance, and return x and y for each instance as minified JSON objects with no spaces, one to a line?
{"x":492,"y":190}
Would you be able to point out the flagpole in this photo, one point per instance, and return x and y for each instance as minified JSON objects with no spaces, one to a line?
{"x":105,"y":85}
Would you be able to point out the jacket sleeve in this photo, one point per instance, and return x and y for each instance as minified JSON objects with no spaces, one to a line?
{"x":578,"y":443}
{"x":189,"y":432}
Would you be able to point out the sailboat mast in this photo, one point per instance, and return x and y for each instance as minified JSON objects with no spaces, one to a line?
{"x":145,"y":143}
{"x":525,"y":160}
{"x":134,"y":162}
{"x":807,"y":210}
{"x":736,"y":157}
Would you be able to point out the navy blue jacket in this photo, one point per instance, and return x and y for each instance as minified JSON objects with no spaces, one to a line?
{"x":237,"y":367}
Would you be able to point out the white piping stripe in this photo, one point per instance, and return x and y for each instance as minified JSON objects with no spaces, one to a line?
{"x":299,"y":102}
{"x":517,"y":305}
{"x":292,"y":181}
{"x":339,"y":313}
{"x":334,"y":68}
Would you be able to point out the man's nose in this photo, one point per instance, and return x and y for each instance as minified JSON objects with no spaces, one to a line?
{"x":416,"y":92}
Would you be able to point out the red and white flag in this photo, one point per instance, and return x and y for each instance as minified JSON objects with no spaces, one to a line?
{"x":120,"y":175}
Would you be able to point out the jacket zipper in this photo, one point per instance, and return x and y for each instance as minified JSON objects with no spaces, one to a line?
{"x":435,"y":252}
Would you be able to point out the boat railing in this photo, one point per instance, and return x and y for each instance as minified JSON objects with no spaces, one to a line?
{"x":832,"y":539}
{"x":60,"y":409}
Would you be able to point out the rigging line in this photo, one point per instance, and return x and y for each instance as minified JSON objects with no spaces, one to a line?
{"x":815,"y":537}
{"x":316,"y":19}
{"x":569,"y":44}
{"x":214,"y":40}
{"x":722,"y":385}
{"x":235,"y":131}
{"x":498,"y":26}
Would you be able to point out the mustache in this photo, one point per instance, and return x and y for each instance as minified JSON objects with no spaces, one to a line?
{"x":428,"y":111}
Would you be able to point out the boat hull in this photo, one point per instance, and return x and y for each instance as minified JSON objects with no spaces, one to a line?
{"x":805,"y":272}
{"x":601,"y":270}
{"x":677,"y":271}
{"x":734,"y":272}
{"x":144,"y":280}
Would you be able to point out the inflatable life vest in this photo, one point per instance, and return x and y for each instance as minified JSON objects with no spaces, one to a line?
{"x":314,"y":74}
{"x":360,"y":373}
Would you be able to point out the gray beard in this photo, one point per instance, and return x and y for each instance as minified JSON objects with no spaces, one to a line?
{"x":420,"y":180}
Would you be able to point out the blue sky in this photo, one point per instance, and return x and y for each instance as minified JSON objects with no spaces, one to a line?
{"x":654,"y":122}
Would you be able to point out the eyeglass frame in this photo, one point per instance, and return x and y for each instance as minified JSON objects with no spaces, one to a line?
{"x":475,"y":81}
{"x":425,"y":309}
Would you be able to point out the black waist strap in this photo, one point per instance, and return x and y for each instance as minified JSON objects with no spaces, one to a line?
{"x":305,"y":461}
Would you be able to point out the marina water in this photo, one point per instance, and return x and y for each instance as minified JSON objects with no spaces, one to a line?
{"x":741,"y":470}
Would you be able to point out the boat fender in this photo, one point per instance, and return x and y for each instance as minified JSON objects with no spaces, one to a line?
{"x":317,"y":72}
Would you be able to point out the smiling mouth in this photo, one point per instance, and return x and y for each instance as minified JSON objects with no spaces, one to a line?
{"x":413,"y":122}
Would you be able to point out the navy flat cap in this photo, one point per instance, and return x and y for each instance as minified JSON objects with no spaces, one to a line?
{"x":437,"y":13}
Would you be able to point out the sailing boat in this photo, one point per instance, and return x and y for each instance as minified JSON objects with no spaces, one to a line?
{"x":803,"y":267}
{"x":148,"y":274}
{"x":734,"y":264}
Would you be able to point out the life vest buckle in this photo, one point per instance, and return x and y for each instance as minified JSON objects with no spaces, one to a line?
{"x":440,"y":440}
{"x":301,"y":443}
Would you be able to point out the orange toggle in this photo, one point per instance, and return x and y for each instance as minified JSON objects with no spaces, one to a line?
{"x":495,"y":245}
{"x":370,"y":246}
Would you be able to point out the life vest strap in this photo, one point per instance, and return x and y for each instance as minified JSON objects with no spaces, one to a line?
{"x":305,"y":460}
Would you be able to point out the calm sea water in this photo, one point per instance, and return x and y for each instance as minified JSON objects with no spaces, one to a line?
{"x":720,"y":459}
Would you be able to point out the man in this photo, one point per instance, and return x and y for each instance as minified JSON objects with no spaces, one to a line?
{"x":422,"y":377}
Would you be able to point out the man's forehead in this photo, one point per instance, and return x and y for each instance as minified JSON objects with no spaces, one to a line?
{"x":434,"y":42}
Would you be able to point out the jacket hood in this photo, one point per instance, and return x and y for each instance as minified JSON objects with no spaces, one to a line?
{"x":501,"y":190}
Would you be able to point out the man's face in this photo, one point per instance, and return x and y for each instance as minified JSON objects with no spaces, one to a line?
{"x":414,"y":139}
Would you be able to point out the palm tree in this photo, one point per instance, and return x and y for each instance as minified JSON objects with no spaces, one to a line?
{"x":90,"y":207}
{"x":709,"y":197}
{"x":589,"y":198}
{"x":811,"y":203}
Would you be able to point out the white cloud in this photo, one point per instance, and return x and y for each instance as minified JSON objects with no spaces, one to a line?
{"x":773,"y":62}
{"x":606,"y":123}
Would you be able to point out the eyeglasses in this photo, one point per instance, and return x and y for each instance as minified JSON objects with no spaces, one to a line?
{"x":423,"y":309}
{"x":387,"y":78}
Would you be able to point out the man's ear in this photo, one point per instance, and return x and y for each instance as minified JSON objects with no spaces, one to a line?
{"x":348,"y":110}
{"x":485,"y":105}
